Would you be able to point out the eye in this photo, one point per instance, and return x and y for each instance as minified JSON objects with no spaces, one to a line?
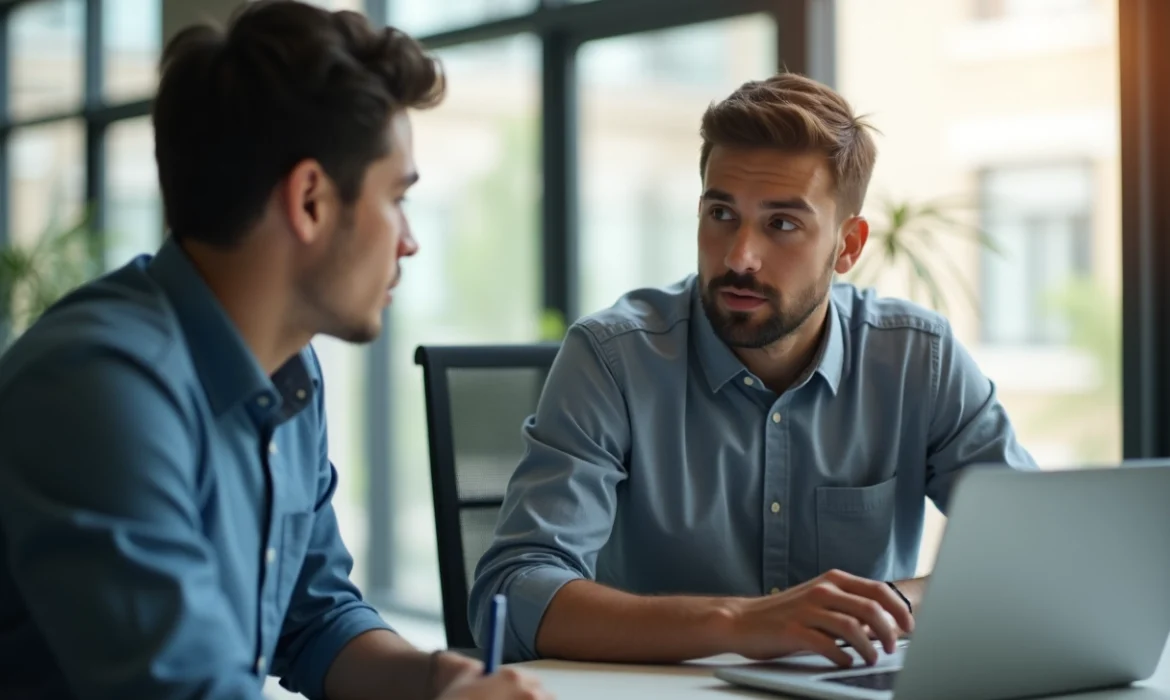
{"x":720,"y":213}
{"x":783,"y":225}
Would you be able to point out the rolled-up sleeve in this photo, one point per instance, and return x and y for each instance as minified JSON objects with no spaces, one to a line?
{"x":101,"y":527}
{"x":326,"y":611}
{"x":560,"y":505}
{"x":968,"y":425}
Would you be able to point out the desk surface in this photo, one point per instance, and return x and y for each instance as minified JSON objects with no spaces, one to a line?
{"x":581,"y":681}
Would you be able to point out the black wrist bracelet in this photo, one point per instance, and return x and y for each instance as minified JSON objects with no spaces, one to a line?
{"x":902,"y":596}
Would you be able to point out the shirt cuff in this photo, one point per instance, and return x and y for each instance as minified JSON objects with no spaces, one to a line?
{"x":528,"y":598}
{"x":313,"y":664}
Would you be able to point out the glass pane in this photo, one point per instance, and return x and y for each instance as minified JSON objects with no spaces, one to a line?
{"x":433,"y":16}
{"x":476,"y":277}
{"x":336,"y":5}
{"x":132,"y":34}
{"x":641,"y":102}
{"x":134,"y":217}
{"x":47,"y":171}
{"x":1013,"y":125}
{"x":343,"y":366}
{"x":47,"y":39}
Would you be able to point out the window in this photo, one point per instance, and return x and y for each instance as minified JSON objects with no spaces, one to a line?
{"x":1041,"y":222}
{"x":642,"y":99}
{"x":422,"y":18}
{"x":134,"y":216}
{"x":974,"y":132}
{"x":46,"y":170}
{"x":46,"y":43}
{"x":131,"y":44}
{"x":476,"y":279}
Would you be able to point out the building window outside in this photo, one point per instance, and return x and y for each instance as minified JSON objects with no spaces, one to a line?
{"x":1040,"y":219}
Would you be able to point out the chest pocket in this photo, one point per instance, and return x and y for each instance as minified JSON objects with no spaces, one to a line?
{"x":296,"y":531}
{"x":855,"y":529}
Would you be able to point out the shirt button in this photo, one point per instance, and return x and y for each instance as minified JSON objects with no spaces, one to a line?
{"x":262,"y":402}
{"x":261,"y":664}
{"x":272,"y":448}
{"x":775,"y":417}
{"x":775,"y":507}
{"x":775,"y":591}
{"x":270,"y":555}
{"x":749,"y":381}
{"x":301,"y":394}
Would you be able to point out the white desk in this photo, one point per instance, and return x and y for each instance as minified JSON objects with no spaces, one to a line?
{"x":580,"y":681}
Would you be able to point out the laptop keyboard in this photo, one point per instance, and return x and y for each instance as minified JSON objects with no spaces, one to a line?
{"x":880,"y":680}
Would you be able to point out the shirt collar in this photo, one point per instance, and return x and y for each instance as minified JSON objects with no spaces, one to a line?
{"x":227,"y":369}
{"x":720,"y":365}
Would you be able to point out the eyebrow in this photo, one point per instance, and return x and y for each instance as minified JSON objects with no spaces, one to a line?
{"x":796,"y":203}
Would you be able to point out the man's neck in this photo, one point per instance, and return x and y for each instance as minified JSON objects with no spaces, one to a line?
{"x":249,"y":289}
{"x":784,"y":362}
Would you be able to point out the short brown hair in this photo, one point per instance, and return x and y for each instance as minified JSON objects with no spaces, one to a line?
{"x":236,"y":110}
{"x":793,"y":113}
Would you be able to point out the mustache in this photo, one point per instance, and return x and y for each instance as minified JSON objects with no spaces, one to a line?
{"x":732,"y":278}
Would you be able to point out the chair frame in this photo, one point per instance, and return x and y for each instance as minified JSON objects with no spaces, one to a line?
{"x":435,"y":361}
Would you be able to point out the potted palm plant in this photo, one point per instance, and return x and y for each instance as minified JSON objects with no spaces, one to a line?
{"x":910,"y":236}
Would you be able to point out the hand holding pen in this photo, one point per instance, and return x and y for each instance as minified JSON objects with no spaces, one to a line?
{"x":496,"y":683}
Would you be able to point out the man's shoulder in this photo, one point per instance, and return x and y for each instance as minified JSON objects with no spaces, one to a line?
{"x":864,"y":309}
{"x":121,"y":316}
{"x":647,"y":311}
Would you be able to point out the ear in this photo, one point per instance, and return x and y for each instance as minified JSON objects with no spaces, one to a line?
{"x":854,"y":234}
{"x":309,"y":201}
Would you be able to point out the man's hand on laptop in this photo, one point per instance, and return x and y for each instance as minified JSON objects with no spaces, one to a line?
{"x":815,"y":614}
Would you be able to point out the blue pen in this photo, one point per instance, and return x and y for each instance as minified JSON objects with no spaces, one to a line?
{"x":495,"y":651}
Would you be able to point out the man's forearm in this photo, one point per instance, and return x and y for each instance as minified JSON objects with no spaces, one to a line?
{"x":374,"y":662}
{"x":589,"y":622}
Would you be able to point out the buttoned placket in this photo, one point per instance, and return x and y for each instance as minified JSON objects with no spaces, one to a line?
{"x":776,"y":465}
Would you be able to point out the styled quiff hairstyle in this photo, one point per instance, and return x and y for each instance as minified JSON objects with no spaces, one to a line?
{"x":792,"y":113}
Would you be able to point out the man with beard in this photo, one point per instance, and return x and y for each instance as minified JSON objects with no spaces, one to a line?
{"x":739,"y":463}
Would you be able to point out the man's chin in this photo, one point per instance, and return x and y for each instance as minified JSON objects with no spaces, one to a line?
{"x":363,"y":334}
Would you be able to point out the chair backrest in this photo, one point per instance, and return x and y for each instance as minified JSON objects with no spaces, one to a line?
{"x":477,"y":399}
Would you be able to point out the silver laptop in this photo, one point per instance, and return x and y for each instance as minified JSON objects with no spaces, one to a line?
{"x":1046,"y":582}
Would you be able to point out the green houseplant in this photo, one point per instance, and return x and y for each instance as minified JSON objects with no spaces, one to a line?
{"x":33,"y":277}
{"x":909,"y":236}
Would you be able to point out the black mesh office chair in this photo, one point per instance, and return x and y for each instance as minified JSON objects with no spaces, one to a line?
{"x":477,"y":398}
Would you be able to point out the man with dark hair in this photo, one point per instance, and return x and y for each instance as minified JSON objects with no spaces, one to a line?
{"x":166,"y":526}
{"x":740,"y":462}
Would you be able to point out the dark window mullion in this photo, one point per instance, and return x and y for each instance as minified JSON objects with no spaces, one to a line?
{"x":95,"y":130}
{"x":559,"y":138}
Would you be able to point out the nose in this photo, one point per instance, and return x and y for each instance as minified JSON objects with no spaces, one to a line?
{"x":407,"y":246}
{"x":743,"y":257}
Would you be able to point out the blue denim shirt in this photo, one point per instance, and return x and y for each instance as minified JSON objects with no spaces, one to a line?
{"x":166,"y":527}
{"x":656,"y":463}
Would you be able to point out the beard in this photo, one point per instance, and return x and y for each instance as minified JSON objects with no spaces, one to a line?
{"x":736,"y":328}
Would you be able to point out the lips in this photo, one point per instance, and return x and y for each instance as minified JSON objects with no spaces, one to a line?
{"x":741,"y":299}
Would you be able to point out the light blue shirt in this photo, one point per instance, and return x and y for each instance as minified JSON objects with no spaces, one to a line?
{"x":166,"y":519}
{"x":656,"y":463}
